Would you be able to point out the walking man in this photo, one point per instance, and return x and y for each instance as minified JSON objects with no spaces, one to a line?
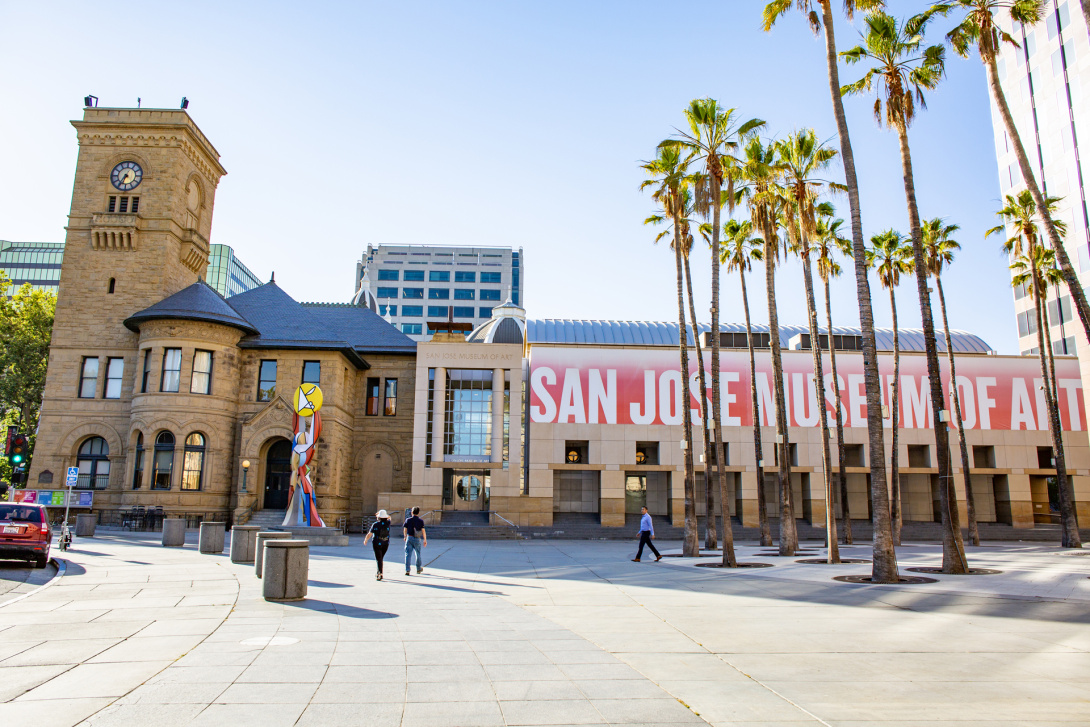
{"x":647,"y":534}
{"x":380,"y":531}
{"x":415,"y":538}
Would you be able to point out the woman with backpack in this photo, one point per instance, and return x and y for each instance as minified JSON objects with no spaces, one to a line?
{"x":380,"y":531}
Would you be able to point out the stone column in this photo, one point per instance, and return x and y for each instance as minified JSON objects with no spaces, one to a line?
{"x":438,"y":413}
{"x":497,"y":415}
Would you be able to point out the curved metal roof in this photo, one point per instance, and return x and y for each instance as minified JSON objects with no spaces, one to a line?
{"x":657,"y":333}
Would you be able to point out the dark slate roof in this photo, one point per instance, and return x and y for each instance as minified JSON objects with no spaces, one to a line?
{"x":361,"y":327}
{"x":198,"y":302}
{"x":655,"y":333}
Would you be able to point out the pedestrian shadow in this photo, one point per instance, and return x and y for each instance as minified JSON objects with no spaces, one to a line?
{"x":423,"y":584}
{"x":327,"y":584}
{"x":341,"y":609}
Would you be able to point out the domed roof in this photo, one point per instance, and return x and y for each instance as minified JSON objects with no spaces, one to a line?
{"x":364,"y":298}
{"x":507,"y":325}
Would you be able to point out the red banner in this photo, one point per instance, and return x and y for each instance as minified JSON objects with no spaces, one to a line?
{"x":580,"y":385}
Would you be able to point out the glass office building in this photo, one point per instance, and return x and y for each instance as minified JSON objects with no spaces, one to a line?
{"x":227,"y":274}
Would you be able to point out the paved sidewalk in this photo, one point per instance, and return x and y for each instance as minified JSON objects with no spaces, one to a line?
{"x":17,"y":578}
{"x":539,"y":633}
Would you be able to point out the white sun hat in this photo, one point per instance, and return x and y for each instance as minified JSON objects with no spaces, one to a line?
{"x":381,"y":514}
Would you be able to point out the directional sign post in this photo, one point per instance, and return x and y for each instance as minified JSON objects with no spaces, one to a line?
{"x":69,"y":482}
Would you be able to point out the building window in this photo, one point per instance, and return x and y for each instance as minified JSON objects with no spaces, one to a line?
{"x":484,"y":312}
{"x":201,"y":383}
{"x":172,"y":370}
{"x":465,"y":276}
{"x":468,"y":415}
{"x":490,"y":278}
{"x":384,"y":309}
{"x":312,"y":372}
{"x":88,"y":377}
{"x":110,"y":287}
{"x":437,"y":311}
{"x":416,"y":276}
{"x":439,"y":276}
{"x":193,"y":462}
{"x":463,"y":311}
{"x":489,"y":294}
{"x":111,"y":206}
{"x":439,"y":293}
{"x":463,"y":294}
{"x":124,"y":205}
{"x":389,"y":407}
{"x":388,"y":274}
{"x":164,"y":461}
{"x":266,"y":380}
{"x":411,"y":311}
{"x":138,"y":466}
{"x":372,"y":396}
{"x":93,"y":462}
{"x":386,"y":292}
{"x":135,"y":205}
{"x":576,"y":452}
{"x":412,"y":293}
{"x":147,"y":371}
{"x":411,"y":329}
{"x":647,"y":452}
{"x":115,"y":369}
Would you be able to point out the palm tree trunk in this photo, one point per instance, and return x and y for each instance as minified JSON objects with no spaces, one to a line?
{"x":953,"y":549}
{"x":894,"y":413}
{"x":717,"y":432}
{"x":1069,"y":524}
{"x":845,"y":510}
{"x":758,"y":449}
{"x":1078,"y":295}
{"x":690,"y":544}
{"x":967,"y":476}
{"x":884,"y":558}
{"x":1086,"y":11}
{"x":709,"y":524}
{"x":788,"y":535}
{"x":819,"y":379}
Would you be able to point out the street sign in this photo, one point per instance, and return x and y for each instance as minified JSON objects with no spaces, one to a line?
{"x":71,"y":477}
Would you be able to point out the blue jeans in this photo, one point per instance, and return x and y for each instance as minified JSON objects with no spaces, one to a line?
{"x":412,"y":544}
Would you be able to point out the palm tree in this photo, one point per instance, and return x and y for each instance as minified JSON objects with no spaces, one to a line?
{"x":803,"y":157}
{"x":890,"y":257}
{"x":827,"y":242}
{"x":738,"y":251}
{"x":884,"y":559}
{"x":761,"y":177}
{"x":714,"y":132}
{"x":940,"y":247}
{"x":669,"y":182}
{"x":902,"y":70}
{"x":1020,"y":214}
{"x":978,"y":28}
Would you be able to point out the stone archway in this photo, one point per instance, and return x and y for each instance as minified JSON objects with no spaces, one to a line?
{"x":377,"y":464}
{"x":276,"y":474}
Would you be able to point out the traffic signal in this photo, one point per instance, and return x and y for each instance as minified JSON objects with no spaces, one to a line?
{"x":18,"y":450}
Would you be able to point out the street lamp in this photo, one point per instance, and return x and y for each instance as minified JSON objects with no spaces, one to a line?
{"x":245,"y":469}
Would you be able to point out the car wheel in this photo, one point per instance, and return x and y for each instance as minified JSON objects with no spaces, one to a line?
{"x":41,"y":562}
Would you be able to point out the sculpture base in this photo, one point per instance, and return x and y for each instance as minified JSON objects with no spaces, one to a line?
{"x":316,"y":536}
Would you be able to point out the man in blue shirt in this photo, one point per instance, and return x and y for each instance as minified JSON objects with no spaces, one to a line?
{"x":647,"y":534}
{"x":415,"y":537}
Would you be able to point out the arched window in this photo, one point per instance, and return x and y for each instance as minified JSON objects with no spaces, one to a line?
{"x":94,"y":464}
{"x":138,"y":463}
{"x":164,"y":461}
{"x":193,"y":464}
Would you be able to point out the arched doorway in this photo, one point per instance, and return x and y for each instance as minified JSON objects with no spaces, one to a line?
{"x":277,"y":475}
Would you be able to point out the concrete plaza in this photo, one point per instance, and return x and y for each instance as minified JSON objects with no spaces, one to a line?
{"x":545,"y":633}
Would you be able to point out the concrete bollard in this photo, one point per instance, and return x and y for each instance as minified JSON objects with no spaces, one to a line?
{"x":211,"y":538}
{"x":287,"y":564}
{"x":85,"y":525}
{"x":259,"y":544}
{"x":173,"y":532}
{"x":243,"y":540}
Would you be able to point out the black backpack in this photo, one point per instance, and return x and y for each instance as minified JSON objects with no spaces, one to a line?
{"x":381,"y":529}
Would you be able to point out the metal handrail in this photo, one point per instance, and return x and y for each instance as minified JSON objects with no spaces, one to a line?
{"x":248,"y":515}
{"x":429,"y":512}
{"x":501,"y":517}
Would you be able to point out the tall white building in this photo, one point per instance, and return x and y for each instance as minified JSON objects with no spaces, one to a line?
{"x":414,"y":284}
{"x":1047,"y":81}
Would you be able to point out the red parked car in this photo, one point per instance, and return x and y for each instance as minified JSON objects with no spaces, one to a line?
{"x":24,"y":532}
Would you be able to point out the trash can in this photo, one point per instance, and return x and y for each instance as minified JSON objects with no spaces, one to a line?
{"x":259,"y":544}
{"x":243,"y":540}
{"x":85,"y":525}
{"x":173,"y":532}
{"x":287,"y":564}
{"x":212,"y":538}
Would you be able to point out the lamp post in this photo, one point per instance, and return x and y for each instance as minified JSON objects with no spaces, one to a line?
{"x":245,"y":469}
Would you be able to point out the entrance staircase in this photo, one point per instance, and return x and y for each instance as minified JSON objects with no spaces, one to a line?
{"x":471,"y":526}
{"x":267,"y":519}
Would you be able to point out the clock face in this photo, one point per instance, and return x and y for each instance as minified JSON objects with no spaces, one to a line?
{"x":126,"y":176}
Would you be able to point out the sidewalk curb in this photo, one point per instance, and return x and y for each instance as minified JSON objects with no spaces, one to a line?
{"x":62,"y":567}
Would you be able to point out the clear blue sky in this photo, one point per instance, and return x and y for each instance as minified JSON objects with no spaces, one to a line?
{"x":494,"y":123}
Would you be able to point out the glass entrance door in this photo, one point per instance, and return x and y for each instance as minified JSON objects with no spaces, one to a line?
{"x":470,"y":490}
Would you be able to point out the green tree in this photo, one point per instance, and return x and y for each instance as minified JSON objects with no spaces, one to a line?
{"x":978,"y":29}
{"x":714,"y":133}
{"x":738,"y":251}
{"x":819,"y":14}
{"x":668,"y":180}
{"x":1024,"y":243}
{"x":803,"y":158}
{"x":940,"y":247}
{"x":902,"y":69}
{"x":890,"y":256}
{"x":828,"y":241}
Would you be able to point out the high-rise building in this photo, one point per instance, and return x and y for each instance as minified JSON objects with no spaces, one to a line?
{"x":39,"y":263}
{"x":1046,"y":81}
{"x":414,"y":284}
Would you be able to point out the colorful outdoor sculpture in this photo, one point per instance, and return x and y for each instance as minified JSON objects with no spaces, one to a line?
{"x":307,"y":424}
